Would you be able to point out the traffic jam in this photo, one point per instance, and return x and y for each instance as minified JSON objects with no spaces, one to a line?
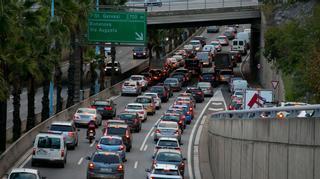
{"x":187,"y":79}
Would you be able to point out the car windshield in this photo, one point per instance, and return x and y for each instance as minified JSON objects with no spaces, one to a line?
{"x":204,"y":85}
{"x":138,"y":49}
{"x":168,"y":157}
{"x":167,"y":125}
{"x":110,"y":64}
{"x":135,"y":107}
{"x":226,"y":73}
{"x":127,"y":116}
{"x":87,"y":110}
{"x":136,"y":78}
{"x":165,"y":172}
{"x":143,"y":100}
{"x":116,"y":131}
{"x":171,"y":80}
{"x":49,"y":142}
{"x":214,"y":43}
{"x":103,"y":158}
{"x":167,"y":143}
{"x":194,"y":42}
{"x":170,"y":118}
{"x":62,"y":128}
{"x":23,"y":175}
{"x":110,"y":141}
{"x":150,"y":94}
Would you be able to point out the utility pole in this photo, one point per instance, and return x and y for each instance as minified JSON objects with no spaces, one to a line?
{"x":113,"y":58}
{"x":51,"y":88}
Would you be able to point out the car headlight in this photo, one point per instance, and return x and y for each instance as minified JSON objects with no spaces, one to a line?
{"x":134,"y":53}
{"x":117,"y":69}
{"x":144,"y":53}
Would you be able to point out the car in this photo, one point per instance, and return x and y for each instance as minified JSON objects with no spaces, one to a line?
{"x":170,"y":156}
{"x":172,"y":62}
{"x":201,"y":38}
{"x":148,"y":104}
{"x":229,"y":34}
{"x":167,"y":143}
{"x":152,"y":3}
{"x":236,"y":57}
{"x":162,"y":92}
{"x":175,"y":117}
{"x":237,"y":94}
{"x":142,"y":81}
{"x":132,"y":119}
{"x":122,"y":130}
{"x":69,"y":131}
{"x":155,"y":97}
{"x":167,"y":129}
{"x":130,"y":87}
{"x":49,"y":147}
{"x":235,"y":105}
{"x":106,"y":108}
{"x":84,"y":115}
{"x":205,"y":58}
{"x":112,"y":143}
{"x":173,"y":83}
{"x":206,"y":88}
{"x":196,"y":44}
{"x":180,"y":59}
{"x":187,"y":109}
{"x":164,"y":171}
{"x":217,"y":45}
{"x":113,"y":121}
{"x":209,"y":77}
{"x":181,"y":52}
{"x":186,"y":98}
{"x":223,"y":40}
{"x":181,"y":77}
{"x":184,"y":71}
{"x":140,"y":52}
{"x":197,"y":93}
{"x":105,"y":165}
{"x":147,"y":77}
{"x":225,"y":75}
{"x":138,"y":108}
{"x":211,"y":49}
{"x":239,"y":45}
{"x":213,"y":29}
{"x":193,"y":65}
{"x":108,"y":68}
{"x":25,"y":173}
{"x":156,"y":74}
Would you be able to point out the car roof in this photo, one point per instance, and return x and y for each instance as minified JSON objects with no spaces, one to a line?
{"x":142,"y":96}
{"x":169,"y":150}
{"x":111,"y":136}
{"x":119,"y":125}
{"x":27,"y":170}
{"x":168,"y":122}
{"x":137,"y":104}
{"x":106,"y":153}
{"x":165,"y":166}
{"x":136,"y":76}
{"x":150,"y":93}
{"x":116,"y":121}
{"x":50,"y":134}
{"x":64,"y":123}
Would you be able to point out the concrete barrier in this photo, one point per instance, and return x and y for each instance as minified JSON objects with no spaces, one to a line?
{"x":265,"y":148}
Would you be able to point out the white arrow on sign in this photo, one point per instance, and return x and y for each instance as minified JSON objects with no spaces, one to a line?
{"x":139,"y":36}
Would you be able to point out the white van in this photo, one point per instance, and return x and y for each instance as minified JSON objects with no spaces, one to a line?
{"x":244,"y":36}
{"x":49,"y":147}
{"x":239,"y":45}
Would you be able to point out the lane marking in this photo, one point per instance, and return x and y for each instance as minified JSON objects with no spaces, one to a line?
{"x":115,"y":97}
{"x":216,"y":109}
{"x":145,"y":148}
{"x":91,"y":145}
{"x":135,"y":164}
{"x":217,"y":103}
{"x":80,"y":161}
{"x":147,"y":136}
{"x":152,"y":134}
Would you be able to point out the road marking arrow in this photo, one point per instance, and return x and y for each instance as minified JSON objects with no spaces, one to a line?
{"x":139,"y":36}
{"x":216,"y":109}
{"x":217,"y":103}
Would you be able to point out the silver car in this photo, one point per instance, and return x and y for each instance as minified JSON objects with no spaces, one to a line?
{"x":69,"y":131}
{"x":156,"y":99}
{"x":174,"y":84}
{"x":206,"y":88}
{"x":84,"y":115}
{"x":131,"y":87}
{"x":167,"y":129}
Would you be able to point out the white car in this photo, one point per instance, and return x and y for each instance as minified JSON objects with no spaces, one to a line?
{"x":167,"y":143}
{"x":17,"y":173}
{"x":155,"y":97}
{"x":167,"y":129}
{"x":142,"y":81}
{"x":138,"y":108}
{"x":49,"y":147}
{"x":196,"y":44}
{"x":211,"y":49}
{"x":130,"y":87}
{"x":84,"y":115}
{"x":164,"y":171}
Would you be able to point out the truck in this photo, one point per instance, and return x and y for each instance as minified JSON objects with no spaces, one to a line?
{"x":223,"y":61}
{"x":256,"y":98}
{"x":193,"y":65}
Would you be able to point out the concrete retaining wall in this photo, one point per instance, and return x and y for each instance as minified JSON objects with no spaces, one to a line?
{"x":265,"y":148}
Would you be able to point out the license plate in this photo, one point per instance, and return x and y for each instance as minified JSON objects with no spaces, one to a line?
{"x":105,"y":170}
{"x":90,"y":134}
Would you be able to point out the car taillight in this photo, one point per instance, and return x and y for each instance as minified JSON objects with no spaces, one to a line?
{"x":121,"y":147}
{"x":120,"y":167}
{"x":157,"y":131}
{"x":70,"y":134}
{"x":188,"y":113}
{"x":108,"y":108}
{"x":180,"y":122}
{"x":177,"y":148}
{"x":140,"y":112}
{"x":127,"y":136}
{"x":190,"y":109}
{"x":62,"y":153}
{"x":91,"y":166}
{"x":94,"y":107}
{"x":33,"y":151}
{"x":199,"y":93}
{"x":177,"y":132}
{"x":99,"y":147}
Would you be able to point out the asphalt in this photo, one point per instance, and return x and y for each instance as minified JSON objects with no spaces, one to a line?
{"x":140,"y":157}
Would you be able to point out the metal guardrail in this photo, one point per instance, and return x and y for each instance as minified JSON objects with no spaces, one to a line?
{"x":274,"y":112}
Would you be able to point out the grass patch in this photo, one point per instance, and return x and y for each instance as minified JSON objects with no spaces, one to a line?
{"x":288,"y":87}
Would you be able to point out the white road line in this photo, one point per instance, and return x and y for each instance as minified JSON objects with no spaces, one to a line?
{"x":147,"y":136}
{"x":216,"y":109}
{"x":145,"y":148}
{"x":80,"y":161}
{"x":216,"y":103}
{"x":152,"y":134}
{"x":114,"y":97}
{"x":135,"y":164}
{"x":91,"y":145}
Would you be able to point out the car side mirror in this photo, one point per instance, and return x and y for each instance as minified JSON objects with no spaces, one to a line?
{"x":88,"y":158}
{"x":148,"y":170}
{"x":184,"y":159}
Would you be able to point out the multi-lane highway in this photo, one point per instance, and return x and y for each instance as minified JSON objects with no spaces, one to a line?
{"x":139,"y":158}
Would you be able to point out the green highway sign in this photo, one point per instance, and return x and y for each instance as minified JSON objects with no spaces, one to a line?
{"x":117,"y":27}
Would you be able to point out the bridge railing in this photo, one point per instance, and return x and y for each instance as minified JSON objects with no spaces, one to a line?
{"x":174,"y":5}
{"x":274,"y":112}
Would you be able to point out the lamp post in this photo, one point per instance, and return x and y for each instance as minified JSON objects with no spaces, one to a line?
{"x":51,"y":82}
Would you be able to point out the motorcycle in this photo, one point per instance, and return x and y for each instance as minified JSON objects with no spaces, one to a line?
{"x":91,"y":135}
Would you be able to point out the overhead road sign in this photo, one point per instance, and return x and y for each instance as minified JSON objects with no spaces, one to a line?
{"x":117,"y":27}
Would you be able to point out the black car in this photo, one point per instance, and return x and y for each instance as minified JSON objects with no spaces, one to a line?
{"x":212,"y":29}
{"x":197,"y":93}
{"x":132,"y":119}
{"x":106,"y":108}
{"x":202,"y":40}
{"x":162,"y":91}
{"x":108,"y":68}
{"x":140,"y":52}
{"x":210,"y":77}
{"x":105,"y":165}
{"x":229,"y":34}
